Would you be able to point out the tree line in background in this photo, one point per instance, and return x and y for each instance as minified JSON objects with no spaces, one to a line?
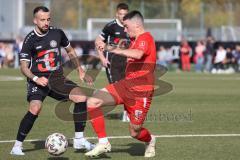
{"x":194,"y":13}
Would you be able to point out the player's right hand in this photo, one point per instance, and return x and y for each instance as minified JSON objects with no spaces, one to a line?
{"x":100,"y":46}
{"x":105,"y":62}
{"x":42,"y":81}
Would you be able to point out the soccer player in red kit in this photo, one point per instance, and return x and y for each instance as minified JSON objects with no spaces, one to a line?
{"x":134,"y":91}
{"x":185,"y":50}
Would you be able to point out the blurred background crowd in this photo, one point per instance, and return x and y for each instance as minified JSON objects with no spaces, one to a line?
{"x":198,"y":36}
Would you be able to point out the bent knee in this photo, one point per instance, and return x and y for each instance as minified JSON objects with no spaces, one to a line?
{"x":35,"y":109}
{"x":134,"y":134}
{"x":134,"y":130}
{"x":78,"y":98}
{"x":76,"y":95}
{"x":93,"y":102}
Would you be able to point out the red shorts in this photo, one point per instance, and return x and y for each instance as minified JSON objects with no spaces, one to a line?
{"x":136,"y":106}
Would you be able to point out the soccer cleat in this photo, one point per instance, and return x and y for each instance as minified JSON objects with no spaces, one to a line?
{"x":99,"y":149}
{"x":150,"y":148}
{"x":82,"y":143}
{"x":17,"y":150}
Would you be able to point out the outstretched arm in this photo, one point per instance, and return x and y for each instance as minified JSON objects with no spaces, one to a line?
{"x":130,"y":53}
{"x":73,"y":56}
{"x":100,"y":45}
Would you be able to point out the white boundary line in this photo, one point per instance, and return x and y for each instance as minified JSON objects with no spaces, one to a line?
{"x":157,"y":136}
{"x":10,"y":78}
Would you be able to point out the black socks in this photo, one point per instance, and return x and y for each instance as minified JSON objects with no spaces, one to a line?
{"x":26,"y":125}
{"x":80,"y":116}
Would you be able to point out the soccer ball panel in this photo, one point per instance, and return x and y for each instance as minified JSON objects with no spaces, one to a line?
{"x":56,"y":144}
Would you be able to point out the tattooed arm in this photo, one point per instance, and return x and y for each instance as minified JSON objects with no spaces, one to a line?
{"x":42,"y":81}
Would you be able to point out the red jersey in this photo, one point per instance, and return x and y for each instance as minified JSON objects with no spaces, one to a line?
{"x":141,"y":71}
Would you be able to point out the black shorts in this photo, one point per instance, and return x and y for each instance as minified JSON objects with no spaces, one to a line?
{"x":58,"y":88}
{"x":116,"y":70}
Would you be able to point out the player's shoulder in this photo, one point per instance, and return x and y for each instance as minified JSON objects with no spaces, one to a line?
{"x":146,"y":36}
{"x":30,"y":36}
{"x":54,"y":29}
{"x":111,"y":23}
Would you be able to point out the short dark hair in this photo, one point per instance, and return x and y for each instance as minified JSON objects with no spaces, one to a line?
{"x":40,"y":8}
{"x":122,"y":6}
{"x":133,"y":14}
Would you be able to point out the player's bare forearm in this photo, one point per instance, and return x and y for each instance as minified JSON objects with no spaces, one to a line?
{"x":99,"y":44}
{"x":73,"y":56}
{"x":74,"y":59}
{"x":130,"y":53}
{"x":25,"y":70}
{"x":100,"y":53}
{"x":42,"y":81}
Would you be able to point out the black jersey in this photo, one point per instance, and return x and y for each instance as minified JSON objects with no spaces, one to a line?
{"x":113,"y":32}
{"x":44,"y":51}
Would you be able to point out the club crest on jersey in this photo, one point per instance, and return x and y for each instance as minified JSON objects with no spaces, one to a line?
{"x":53,"y":43}
{"x":142,"y":44}
{"x":138,"y":114}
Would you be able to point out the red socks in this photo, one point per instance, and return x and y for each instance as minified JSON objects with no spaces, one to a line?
{"x":97,"y":120}
{"x":144,"y":135}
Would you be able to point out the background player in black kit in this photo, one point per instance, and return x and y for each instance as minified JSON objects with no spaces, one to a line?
{"x":113,"y":34}
{"x":40,"y":57}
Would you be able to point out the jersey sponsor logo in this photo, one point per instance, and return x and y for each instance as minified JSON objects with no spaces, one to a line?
{"x":38,"y":47}
{"x":53,"y":43}
{"x":48,"y":60}
{"x":116,"y":40}
{"x":34,"y":89}
{"x":23,"y":55}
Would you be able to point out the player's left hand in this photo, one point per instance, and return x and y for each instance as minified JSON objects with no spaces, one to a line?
{"x":86,"y":78}
{"x":117,"y":51}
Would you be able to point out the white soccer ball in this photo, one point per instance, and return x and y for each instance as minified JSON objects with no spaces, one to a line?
{"x":56,"y":144}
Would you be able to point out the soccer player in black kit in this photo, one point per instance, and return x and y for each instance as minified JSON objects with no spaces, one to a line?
{"x":113,"y":34}
{"x":40,"y":58}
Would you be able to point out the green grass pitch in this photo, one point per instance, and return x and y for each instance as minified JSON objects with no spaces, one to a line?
{"x":198,"y":104}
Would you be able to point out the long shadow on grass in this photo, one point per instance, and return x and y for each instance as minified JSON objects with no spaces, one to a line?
{"x":58,"y":158}
{"x":38,"y":145}
{"x":133,"y":149}
{"x":114,"y":116}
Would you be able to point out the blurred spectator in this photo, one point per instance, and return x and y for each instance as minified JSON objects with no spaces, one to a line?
{"x":9,"y":57}
{"x":175,"y":57}
{"x":17,"y":46}
{"x":219,"y":60}
{"x":198,"y":57}
{"x":209,"y":52}
{"x":170,"y":58}
{"x":162,"y":56}
{"x":2,"y":54}
{"x":236,"y":55}
{"x":92,"y":59}
{"x":229,"y":61}
{"x":79,"y":52}
{"x":185,"y":51}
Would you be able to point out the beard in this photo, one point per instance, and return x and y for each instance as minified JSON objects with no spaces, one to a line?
{"x":43,"y":30}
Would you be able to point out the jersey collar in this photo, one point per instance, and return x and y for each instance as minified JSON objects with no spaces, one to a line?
{"x":119,"y":23}
{"x":40,"y":35}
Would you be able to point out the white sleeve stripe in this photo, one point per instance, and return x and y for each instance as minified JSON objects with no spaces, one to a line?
{"x":101,"y":37}
{"x":24,"y":59}
{"x":67,"y":45}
